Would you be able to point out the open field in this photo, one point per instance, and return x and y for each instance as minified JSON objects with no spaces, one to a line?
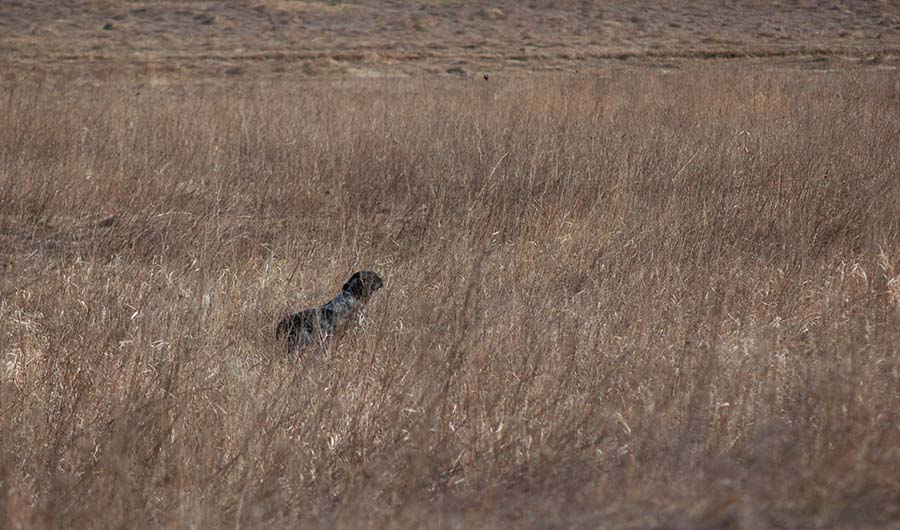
{"x":610,"y":303}
{"x":645,"y":276}
{"x":168,"y":41}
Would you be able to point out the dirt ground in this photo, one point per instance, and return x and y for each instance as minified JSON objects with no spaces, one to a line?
{"x":269,"y":39}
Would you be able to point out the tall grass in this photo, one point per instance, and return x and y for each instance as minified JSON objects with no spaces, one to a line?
{"x":640,"y":301}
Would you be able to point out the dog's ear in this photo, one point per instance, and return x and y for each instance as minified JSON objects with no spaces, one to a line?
{"x":352,"y":285}
{"x":362,"y":284}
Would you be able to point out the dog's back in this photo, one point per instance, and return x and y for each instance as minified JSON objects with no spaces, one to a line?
{"x":300,"y":328}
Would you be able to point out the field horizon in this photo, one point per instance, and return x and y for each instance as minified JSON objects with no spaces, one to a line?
{"x":176,"y":41}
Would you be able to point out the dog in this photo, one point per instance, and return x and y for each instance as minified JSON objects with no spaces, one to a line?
{"x":319,"y":324}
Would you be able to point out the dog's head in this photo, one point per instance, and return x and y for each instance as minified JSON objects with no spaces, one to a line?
{"x":362,"y":285}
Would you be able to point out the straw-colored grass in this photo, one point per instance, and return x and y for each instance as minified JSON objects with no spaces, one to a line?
{"x":649,"y":301}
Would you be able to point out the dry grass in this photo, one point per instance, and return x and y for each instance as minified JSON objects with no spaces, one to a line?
{"x":176,"y":40}
{"x":644,"y":302}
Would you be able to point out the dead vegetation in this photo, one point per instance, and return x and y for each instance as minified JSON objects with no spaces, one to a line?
{"x":650,"y":301}
{"x":273,"y":39}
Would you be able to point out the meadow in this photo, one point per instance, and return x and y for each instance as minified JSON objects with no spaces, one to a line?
{"x":640,"y":300}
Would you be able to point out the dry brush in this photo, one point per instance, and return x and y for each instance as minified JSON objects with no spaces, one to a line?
{"x":637,"y":301}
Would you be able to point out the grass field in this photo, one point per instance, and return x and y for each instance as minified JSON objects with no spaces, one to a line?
{"x":637,"y":299}
{"x":190,"y":40}
{"x":642,"y":301}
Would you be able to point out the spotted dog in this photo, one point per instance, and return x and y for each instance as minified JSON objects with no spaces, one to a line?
{"x":333,"y":318}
